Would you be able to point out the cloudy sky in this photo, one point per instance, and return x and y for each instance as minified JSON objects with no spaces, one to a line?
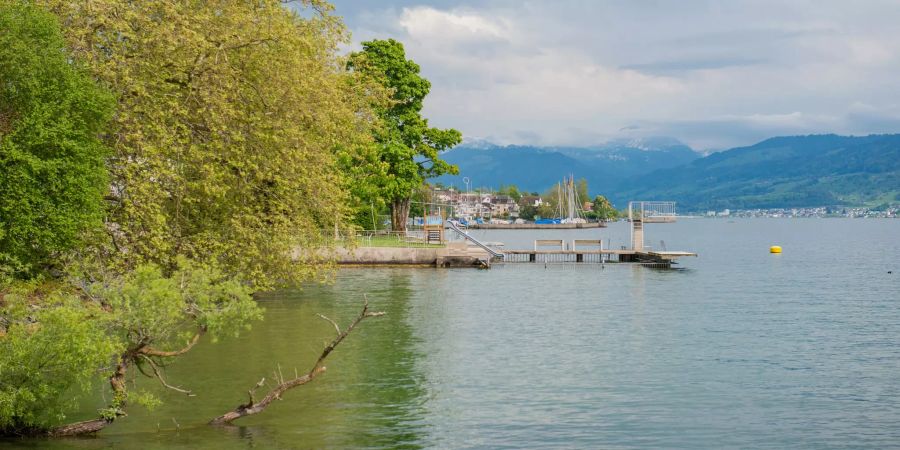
{"x":714,"y":74}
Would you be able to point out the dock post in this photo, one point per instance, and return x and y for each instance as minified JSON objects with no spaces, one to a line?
{"x":532,"y":257}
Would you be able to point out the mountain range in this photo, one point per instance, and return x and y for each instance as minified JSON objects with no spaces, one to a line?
{"x":793,"y":171}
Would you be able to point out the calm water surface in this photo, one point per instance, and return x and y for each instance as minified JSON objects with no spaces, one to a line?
{"x":739,"y":349}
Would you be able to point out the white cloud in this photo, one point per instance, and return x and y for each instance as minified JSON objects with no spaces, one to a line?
{"x":431,"y":24}
{"x":714,"y":74}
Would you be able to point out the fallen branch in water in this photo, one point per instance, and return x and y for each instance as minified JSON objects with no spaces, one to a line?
{"x":254,"y":407}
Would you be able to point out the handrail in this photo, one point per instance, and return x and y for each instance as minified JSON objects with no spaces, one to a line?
{"x":466,"y":236}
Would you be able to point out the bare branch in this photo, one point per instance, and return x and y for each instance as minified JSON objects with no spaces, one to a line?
{"x":163,"y":380}
{"x":251,"y":391}
{"x":317,"y":368}
{"x":336,"y":327}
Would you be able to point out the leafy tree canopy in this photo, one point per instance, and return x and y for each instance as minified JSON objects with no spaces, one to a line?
{"x":235,"y":121}
{"x":407,"y":146}
{"x":51,"y":159}
{"x":236,"y":141}
{"x":603,"y":209}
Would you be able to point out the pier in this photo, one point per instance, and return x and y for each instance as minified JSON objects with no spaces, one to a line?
{"x":434,"y":247}
{"x":597,"y":256}
{"x":592,"y":250}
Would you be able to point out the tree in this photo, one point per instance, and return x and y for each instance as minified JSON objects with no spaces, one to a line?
{"x":581,"y":191}
{"x":603,"y":209}
{"x":233,"y":146}
{"x":51,"y":197}
{"x":47,"y":354}
{"x":527,"y":212}
{"x":408,"y":147}
{"x":52,"y":161}
{"x":512,"y":191}
{"x":230,"y":137}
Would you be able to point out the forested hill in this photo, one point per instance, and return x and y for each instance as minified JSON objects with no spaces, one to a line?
{"x":817,"y":170}
{"x":537,"y":168}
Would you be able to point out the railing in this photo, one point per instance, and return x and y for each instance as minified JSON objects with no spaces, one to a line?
{"x":494,"y":253}
{"x":651,"y":210}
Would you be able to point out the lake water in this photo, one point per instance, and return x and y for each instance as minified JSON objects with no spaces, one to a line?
{"x":740,"y":349}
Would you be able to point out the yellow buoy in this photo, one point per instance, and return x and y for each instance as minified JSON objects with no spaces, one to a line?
{"x":775,"y":249}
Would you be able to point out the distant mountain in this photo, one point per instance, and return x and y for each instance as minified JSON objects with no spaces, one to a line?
{"x":817,"y":170}
{"x":537,"y":168}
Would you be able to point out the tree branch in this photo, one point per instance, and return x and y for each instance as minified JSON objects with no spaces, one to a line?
{"x":163,"y":380}
{"x":336,"y":327}
{"x":149,"y":351}
{"x":257,"y":407}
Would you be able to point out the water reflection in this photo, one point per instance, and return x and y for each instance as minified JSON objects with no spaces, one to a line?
{"x":743,"y":350}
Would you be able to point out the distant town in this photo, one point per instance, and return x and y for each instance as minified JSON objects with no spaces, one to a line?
{"x":824,"y":211}
{"x":509,"y":205}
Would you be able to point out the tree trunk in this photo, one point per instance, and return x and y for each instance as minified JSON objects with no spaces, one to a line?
{"x":117,"y":383}
{"x":80,"y":428}
{"x":399,"y":214}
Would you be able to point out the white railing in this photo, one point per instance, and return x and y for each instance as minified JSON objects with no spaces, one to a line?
{"x":650,"y":210}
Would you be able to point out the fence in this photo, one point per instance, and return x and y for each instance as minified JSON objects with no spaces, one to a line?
{"x":400,"y":239}
{"x":651,"y":210}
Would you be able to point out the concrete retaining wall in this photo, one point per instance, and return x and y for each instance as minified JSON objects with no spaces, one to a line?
{"x":435,"y":256}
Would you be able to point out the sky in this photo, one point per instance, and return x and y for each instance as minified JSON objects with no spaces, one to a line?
{"x":712,"y":74}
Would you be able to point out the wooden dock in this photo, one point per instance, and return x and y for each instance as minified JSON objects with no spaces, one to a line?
{"x":592,"y":250}
{"x":597,"y":256}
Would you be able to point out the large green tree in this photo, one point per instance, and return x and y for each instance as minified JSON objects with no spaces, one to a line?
{"x":235,"y":122}
{"x":234,"y":146}
{"x":52,"y":173}
{"x":407,"y":146}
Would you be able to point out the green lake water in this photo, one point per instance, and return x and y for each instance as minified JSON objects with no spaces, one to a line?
{"x":739,"y":349}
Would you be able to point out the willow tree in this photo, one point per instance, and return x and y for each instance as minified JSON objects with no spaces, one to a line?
{"x":407,"y":146}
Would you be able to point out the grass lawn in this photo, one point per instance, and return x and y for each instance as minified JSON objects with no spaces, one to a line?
{"x":393,"y":241}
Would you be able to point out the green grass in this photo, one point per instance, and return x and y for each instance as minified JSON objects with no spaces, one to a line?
{"x":393,"y":241}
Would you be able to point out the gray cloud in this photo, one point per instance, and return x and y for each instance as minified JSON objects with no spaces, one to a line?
{"x":714,"y":74}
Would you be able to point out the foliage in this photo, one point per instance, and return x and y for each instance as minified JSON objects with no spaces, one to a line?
{"x":527,"y":212}
{"x":235,"y":121}
{"x":151,"y":309}
{"x":512,"y":191}
{"x":581,"y":190}
{"x":53,"y":342}
{"x":407,"y":146}
{"x":602,"y":209}
{"x":49,"y":349}
{"x":239,"y":136}
{"x":51,"y":159}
